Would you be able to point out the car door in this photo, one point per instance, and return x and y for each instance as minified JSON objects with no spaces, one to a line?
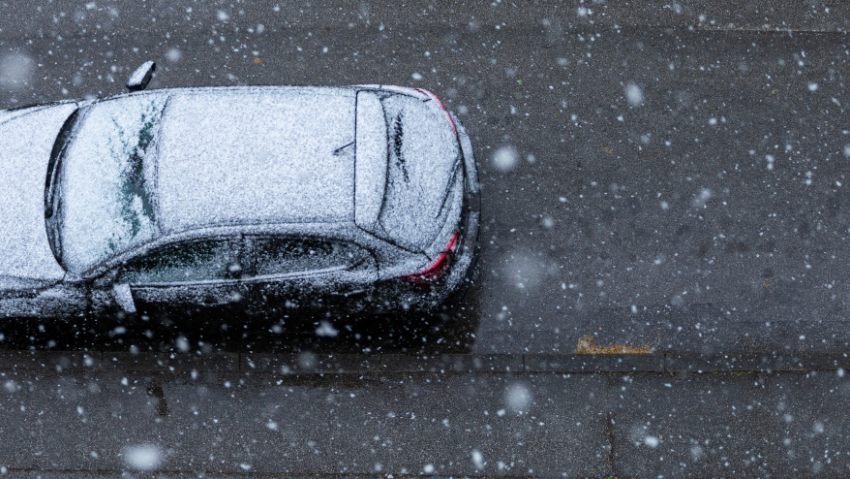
{"x":41,"y":300}
{"x":293,"y":276}
{"x":181,"y":280}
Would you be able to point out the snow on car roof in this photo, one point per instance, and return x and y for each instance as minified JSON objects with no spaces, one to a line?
{"x":255,"y":155}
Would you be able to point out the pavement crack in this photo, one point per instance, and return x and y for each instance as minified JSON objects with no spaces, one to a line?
{"x":609,"y":425}
{"x":609,"y":430}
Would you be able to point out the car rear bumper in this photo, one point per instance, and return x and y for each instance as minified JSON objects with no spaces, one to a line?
{"x":396,"y":296}
{"x":464,"y":262}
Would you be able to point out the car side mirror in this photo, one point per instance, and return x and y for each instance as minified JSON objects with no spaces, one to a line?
{"x":124,"y":297}
{"x":140,"y":78}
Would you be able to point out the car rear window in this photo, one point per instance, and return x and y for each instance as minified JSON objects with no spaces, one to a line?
{"x":423,"y":156}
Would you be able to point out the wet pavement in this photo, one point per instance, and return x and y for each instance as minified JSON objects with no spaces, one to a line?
{"x":656,"y":178}
{"x":670,"y":181}
{"x":366,"y":416}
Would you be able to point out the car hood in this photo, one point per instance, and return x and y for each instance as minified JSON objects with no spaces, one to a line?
{"x":26,"y":140}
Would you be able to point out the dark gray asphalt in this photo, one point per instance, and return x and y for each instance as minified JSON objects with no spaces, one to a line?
{"x":359,"y":426}
{"x":653,"y":223}
{"x":206,"y":415}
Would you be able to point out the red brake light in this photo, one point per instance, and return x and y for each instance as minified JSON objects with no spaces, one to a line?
{"x":440,"y":103}
{"x":436,"y":268}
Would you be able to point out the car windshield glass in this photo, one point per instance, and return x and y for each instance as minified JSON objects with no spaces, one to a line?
{"x":106,"y":181}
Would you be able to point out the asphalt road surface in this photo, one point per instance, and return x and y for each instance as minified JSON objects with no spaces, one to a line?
{"x":655,"y":176}
{"x":663,"y":176}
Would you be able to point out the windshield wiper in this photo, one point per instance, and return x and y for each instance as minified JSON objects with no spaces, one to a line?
{"x":56,"y":154}
{"x":51,"y":200}
{"x":398,"y":134}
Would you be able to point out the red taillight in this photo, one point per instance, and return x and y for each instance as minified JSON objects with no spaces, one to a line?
{"x":436,"y":268}
{"x":442,"y":107}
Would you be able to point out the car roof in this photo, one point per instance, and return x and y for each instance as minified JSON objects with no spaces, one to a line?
{"x":255,"y":155}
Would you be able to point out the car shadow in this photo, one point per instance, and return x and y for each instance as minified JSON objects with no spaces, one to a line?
{"x":450,"y":332}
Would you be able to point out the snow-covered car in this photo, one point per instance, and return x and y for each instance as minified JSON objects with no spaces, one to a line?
{"x":263,"y":200}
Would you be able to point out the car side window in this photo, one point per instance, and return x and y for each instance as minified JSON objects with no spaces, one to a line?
{"x":206,"y":260}
{"x":269,"y":256}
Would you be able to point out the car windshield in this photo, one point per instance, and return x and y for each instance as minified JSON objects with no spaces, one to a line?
{"x":103,"y":201}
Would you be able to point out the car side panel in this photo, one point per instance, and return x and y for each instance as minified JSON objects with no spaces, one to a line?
{"x":173,"y":302}
{"x":187,"y":301}
{"x":321,"y":296}
{"x":56,"y":302}
{"x":336,"y":281}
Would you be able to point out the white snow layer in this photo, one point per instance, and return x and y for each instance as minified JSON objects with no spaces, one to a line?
{"x":139,"y":73}
{"x":254,"y":157}
{"x":24,"y":154}
{"x":107,"y":181}
{"x":423,"y":152}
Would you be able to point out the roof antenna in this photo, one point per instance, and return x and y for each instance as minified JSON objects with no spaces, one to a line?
{"x":140,"y":78}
